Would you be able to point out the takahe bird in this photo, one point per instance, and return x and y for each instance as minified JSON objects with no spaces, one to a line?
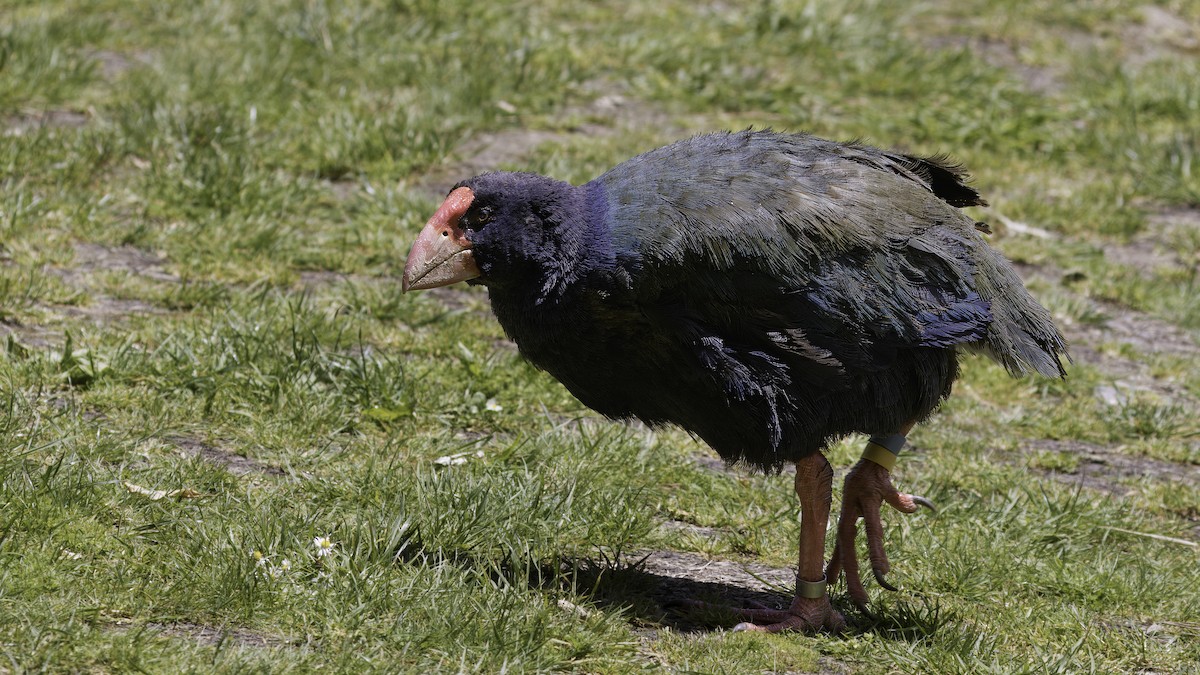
{"x":767,"y":292}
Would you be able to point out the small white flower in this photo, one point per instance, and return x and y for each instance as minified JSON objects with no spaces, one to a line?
{"x":493,"y":406}
{"x":285,"y":565}
{"x":324,"y":546}
{"x":458,"y":459}
{"x":259,"y":558}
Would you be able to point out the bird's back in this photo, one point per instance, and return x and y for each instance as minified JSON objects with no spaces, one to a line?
{"x":882,"y":230}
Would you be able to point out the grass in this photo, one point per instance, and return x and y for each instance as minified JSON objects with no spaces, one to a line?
{"x":203,"y":213}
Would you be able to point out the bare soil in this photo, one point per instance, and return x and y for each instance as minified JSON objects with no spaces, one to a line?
{"x":16,"y":125}
{"x":610,"y":113}
{"x":1107,"y":469}
{"x":235,"y":463}
{"x":113,"y":63}
{"x":1090,"y":343}
{"x":104,"y":310}
{"x":1156,"y":248}
{"x":1007,"y":56}
{"x":37,"y":337}
{"x":661,"y":588}
{"x":211,"y":636}
{"x":1162,"y":34}
{"x":94,"y":257}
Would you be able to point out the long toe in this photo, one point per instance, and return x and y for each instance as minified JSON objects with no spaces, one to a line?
{"x":806,"y":615}
{"x":867,"y":487}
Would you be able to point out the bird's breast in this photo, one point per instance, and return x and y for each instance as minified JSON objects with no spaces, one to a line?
{"x":600,"y":347}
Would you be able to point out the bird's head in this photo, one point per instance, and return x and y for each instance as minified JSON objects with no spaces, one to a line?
{"x":497,"y":229}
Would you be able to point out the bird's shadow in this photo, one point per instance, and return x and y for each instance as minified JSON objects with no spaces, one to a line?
{"x":695,"y":604}
{"x":687,"y":593}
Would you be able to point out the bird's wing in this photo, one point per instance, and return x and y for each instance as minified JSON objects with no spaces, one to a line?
{"x":834,"y":253}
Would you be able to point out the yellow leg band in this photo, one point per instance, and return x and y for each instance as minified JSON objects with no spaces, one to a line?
{"x":880,"y":455}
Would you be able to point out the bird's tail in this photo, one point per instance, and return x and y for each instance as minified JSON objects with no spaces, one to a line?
{"x":1022,"y":335}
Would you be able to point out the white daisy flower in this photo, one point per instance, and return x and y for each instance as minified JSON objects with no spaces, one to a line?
{"x":324,"y":546}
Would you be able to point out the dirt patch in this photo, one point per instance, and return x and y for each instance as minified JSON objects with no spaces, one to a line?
{"x":749,"y":576}
{"x":1179,"y":217}
{"x":210,"y":636}
{"x":1157,"y":248}
{"x":1129,"y":379}
{"x":114,"y":64}
{"x":36,"y":337}
{"x":1158,"y":337}
{"x":236,"y":464}
{"x":1090,"y":343}
{"x":104,"y":310}
{"x":1146,"y":253}
{"x":1165,"y":632}
{"x":1161,"y":34}
{"x":609,"y":113}
{"x":486,"y":152}
{"x":1122,"y":325}
{"x":21,"y":123}
{"x":311,"y":280}
{"x":1175,"y":229}
{"x":1006,"y":56}
{"x":660,"y":589}
{"x":315,"y":279}
{"x":688,"y":593}
{"x":1143,"y":333}
{"x":1104,"y":468}
{"x":460,"y":299}
{"x":94,"y":257}
{"x":711,"y":463}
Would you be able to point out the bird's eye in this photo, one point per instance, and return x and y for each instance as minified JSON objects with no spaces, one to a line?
{"x":479,"y":218}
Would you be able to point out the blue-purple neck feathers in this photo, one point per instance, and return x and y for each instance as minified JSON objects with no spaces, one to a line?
{"x":544,"y":236}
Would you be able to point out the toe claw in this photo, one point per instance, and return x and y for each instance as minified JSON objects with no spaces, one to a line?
{"x":861,"y":604}
{"x":883,"y":581}
{"x":918,"y":499}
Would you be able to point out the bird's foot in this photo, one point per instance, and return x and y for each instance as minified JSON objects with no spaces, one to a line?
{"x":806,"y":615}
{"x":867,"y":487}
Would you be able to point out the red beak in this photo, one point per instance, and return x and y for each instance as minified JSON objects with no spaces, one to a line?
{"x":441,"y":255}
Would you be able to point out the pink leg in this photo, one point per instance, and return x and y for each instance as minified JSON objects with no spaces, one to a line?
{"x":810,"y":610}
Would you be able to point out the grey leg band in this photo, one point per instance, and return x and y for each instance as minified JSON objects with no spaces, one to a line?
{"x":890,"y":442}
{"x":810,"y":589}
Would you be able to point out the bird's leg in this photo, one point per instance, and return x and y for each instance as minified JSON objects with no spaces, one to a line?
{"x":867,"y":486}
{"x":810,"y":610}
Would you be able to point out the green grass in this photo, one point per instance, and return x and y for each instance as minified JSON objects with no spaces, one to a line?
{"x":203,"y":214}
